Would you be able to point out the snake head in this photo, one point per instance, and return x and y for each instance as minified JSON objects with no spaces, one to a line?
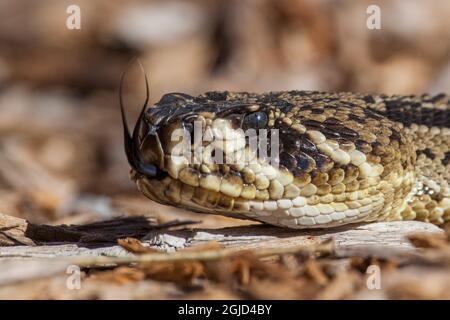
{"x":281,"y":158}
{"x":181,"y":146}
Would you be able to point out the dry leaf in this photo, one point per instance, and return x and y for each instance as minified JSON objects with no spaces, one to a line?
{"x":429,"y":240}
{"x":342,"y":286}
{"x":120,"y":275}
{"x":315,"y":272}
{"x":183,"y":272}
{"x":135,"y":246}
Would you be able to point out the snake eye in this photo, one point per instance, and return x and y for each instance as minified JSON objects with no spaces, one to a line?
{"x":256,"y":120}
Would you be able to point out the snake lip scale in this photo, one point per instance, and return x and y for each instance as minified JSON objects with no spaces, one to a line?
{"x":343,"y":157}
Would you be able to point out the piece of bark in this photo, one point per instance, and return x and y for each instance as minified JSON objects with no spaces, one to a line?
{"x":16,"y":231}
{"x":383,"y":239}
{"x":380,"y":239}
{"x":12,"y":231}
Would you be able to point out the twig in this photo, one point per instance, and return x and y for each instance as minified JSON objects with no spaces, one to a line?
{"x":324,"y":247}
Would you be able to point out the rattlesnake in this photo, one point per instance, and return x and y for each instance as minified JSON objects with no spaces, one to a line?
{"x":343,"y":157}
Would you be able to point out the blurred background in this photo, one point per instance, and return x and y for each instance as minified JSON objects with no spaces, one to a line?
{"x":61,"y":148}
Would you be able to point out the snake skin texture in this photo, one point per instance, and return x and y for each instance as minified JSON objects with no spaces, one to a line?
{"x":343,"y":157}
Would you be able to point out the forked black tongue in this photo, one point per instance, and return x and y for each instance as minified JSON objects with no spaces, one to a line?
{"x":131,"y":142}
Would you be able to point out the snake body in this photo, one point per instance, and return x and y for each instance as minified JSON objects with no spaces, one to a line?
{"x":342,"y":157}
